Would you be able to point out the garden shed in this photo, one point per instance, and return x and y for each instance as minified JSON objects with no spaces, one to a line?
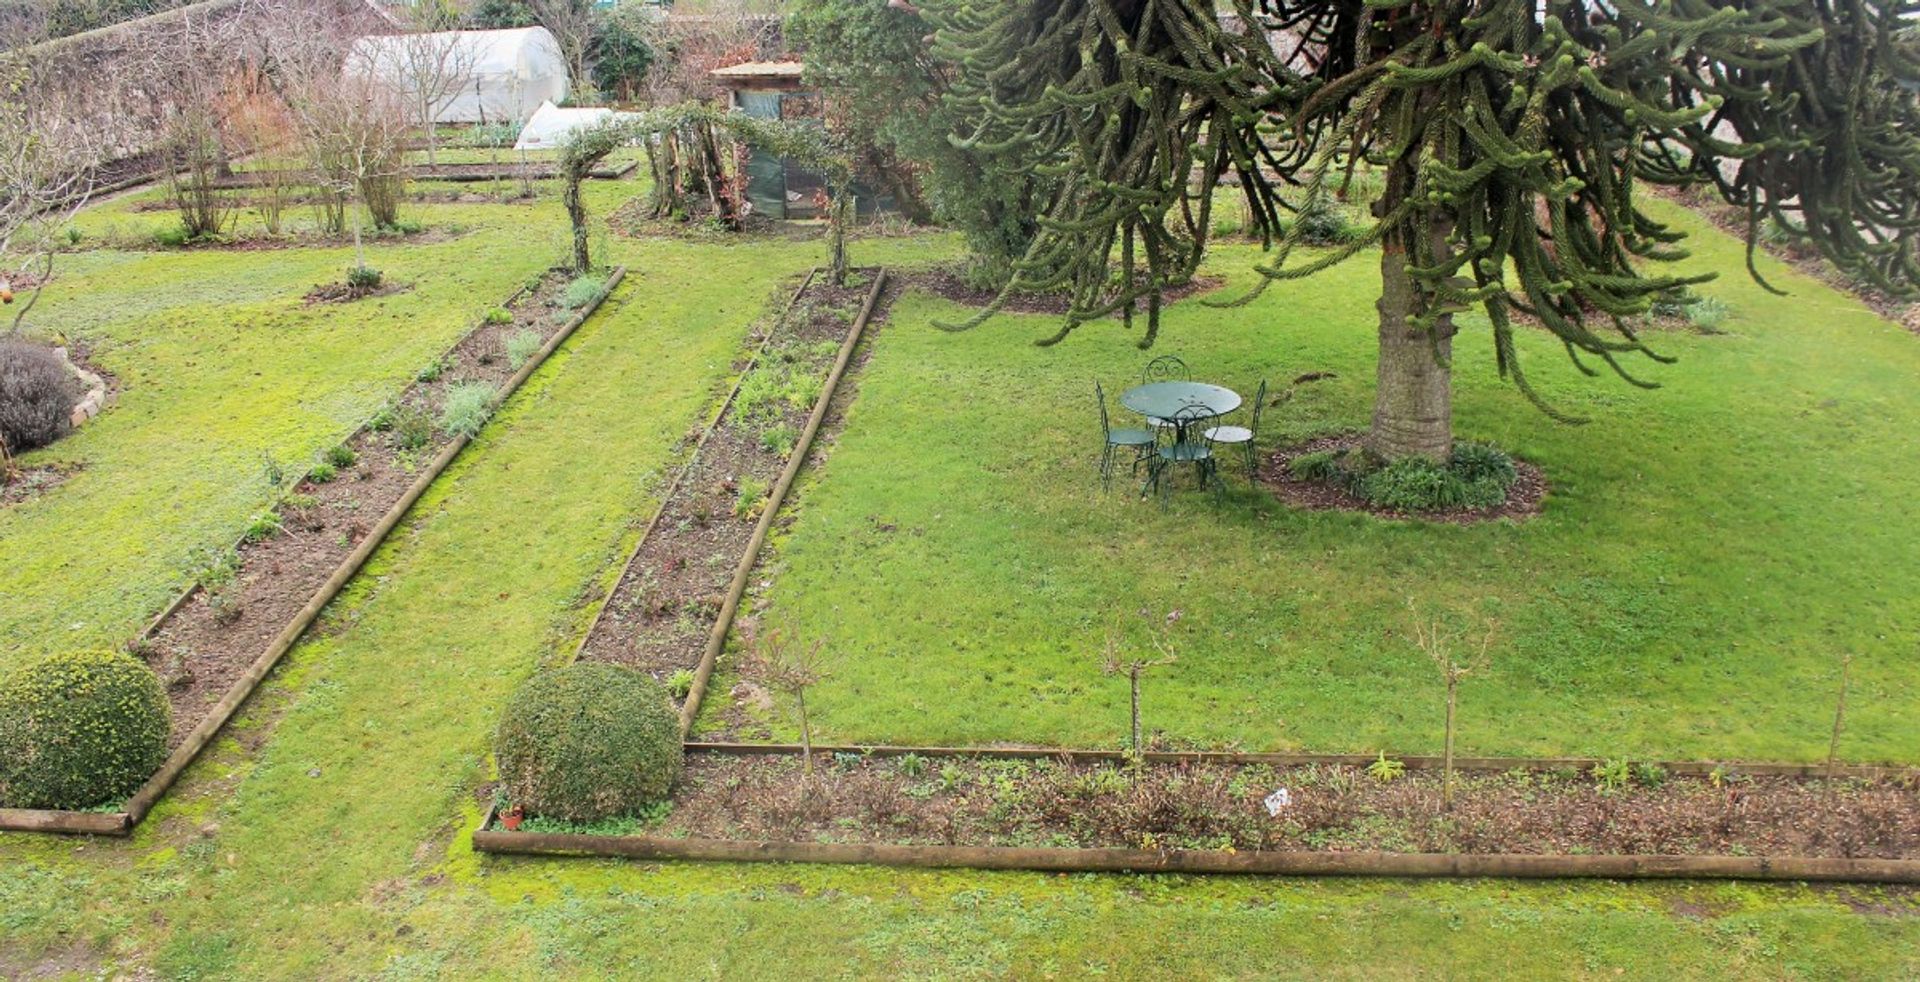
{"x":508,"y":74}
{"x":778,"y":188}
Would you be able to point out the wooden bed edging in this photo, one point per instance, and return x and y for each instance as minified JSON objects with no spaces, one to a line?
{"x":1291,"y":863}
{"x":192,"y":588}
{"x":70,"y":822}
{"x":723,"y":623}
{"x":1685,"y":768}
{"x":693,"y":454}
{"x":143,"y":800}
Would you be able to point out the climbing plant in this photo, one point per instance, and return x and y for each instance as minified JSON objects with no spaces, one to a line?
{"x":806,"y":145}
{"x":1513,"y":138}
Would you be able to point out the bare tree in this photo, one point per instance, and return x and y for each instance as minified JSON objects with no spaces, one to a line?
{"x":352,"y":127}
{"x":572,"y":24}
{"x":48,"y":170}
{"x":1439,"y":644}
{"x":432,"y":68}
{"x":792,"y":669}
{"x":1115,"y":661}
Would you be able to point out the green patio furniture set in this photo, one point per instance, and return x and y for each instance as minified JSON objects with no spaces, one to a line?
{"x":1183,"y":422}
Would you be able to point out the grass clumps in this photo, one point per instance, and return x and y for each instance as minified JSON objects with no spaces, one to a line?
{"x":587,"y":743}
{"x":364,"y":279}
{"x":582,"y":290}
{"x":522,"y":345}
{"x":1477,"y":476}
{"x":36,"y":396}
{"x":469,"y":405}
{"x":79,"y":729}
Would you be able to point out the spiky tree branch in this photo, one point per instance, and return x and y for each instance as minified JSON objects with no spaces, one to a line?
{"x":1513,"y":135}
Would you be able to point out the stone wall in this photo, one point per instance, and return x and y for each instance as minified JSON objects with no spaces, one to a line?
{"x":120,"y":83}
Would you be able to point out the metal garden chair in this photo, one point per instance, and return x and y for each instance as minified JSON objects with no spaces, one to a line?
{"x":1139,"y":441}
{"x":1166,"y":368}
{"x":1243,"y":436}
{"x":1188,"y":444}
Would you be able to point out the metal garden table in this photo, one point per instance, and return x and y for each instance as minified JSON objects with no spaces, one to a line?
{"x":1164,"y":400}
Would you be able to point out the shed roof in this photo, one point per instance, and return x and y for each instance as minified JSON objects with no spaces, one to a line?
{"x":761,"y":69}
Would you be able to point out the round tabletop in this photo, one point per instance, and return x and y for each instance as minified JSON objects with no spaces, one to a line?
{"x":1162,"y":400}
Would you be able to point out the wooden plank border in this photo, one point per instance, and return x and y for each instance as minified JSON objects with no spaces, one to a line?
{"x":1289,"y":863}
{"x":723,"y":624}
{"x":143,"y":800}
{"x":1684,"y":768}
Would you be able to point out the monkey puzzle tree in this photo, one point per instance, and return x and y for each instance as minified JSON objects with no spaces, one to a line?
{"x":1512,"y":137}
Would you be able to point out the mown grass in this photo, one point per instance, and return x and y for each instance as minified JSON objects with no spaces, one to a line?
{"x":222,"y":368}
{"x":1708,"y":552}
{"x":323,"y":838}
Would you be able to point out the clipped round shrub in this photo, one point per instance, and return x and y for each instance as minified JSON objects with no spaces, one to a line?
{"x":79,"y":729}
{"x":37,"y":394}
{"x":588,"y":742}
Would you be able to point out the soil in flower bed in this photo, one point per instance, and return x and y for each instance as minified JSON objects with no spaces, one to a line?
{"x":246,"y":596}
{"x":949,"y":285}
{"x":1523,"y":498}
{"x":1054,"y":802}
{"x":32,"y":482}
{"x":662,"y":611}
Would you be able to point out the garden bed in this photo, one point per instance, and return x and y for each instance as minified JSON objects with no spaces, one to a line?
{"x":1524,"y":498}
{"x":249,"y":604}
{"x":1802,"y":256}
{"x":1083,"y":813}
{"x":680,"y":585}
{"x":205,"y":642}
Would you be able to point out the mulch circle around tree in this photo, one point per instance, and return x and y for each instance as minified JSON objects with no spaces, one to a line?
{"x":348,"y":293}
{"x":205,"y":645}
{"x":947,"y":284}
{"x":1327,"y":808}
{"x":1524,"y":498}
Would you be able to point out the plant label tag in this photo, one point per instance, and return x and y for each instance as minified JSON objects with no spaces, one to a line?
{"x":1277,"y":801}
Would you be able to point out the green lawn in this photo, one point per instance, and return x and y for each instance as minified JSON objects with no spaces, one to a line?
{"x":323,"y":838}
{"x":1708,"y":551}
{"x":221,"y":366}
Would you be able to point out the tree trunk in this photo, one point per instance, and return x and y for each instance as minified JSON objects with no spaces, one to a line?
{"x":1413,"y":393}
{"x":577,"y":214}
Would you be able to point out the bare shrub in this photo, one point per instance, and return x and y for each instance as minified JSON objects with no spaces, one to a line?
{"x":37,"y":393}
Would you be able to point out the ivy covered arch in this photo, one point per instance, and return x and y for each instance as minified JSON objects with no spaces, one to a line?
{"x":807,"y":145}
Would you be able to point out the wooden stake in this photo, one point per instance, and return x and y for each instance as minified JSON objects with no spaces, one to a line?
{"x":1839,"y":715}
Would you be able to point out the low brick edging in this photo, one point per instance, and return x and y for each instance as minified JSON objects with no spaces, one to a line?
{"x":1216,"y":862}
{"x":94,"y":399}
{"x":143,"y":800}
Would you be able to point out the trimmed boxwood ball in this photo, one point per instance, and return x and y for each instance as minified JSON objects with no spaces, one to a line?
{"x":588,"y":742}
{"x":79,"y":729}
